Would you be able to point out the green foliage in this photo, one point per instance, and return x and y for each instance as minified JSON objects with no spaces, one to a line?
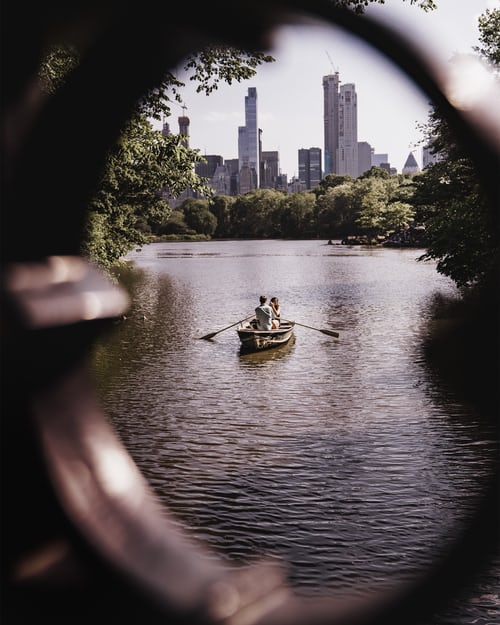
{"x":358,"y":6}
{"x":337,"y":209}
{"x":128,"y":202}
{"x":176,"y":224}
{"x":462,"y":232}
{"x":297,"y":215}
{"x":257,"y":214}
{"x":489,"y":37}
{"x":461,"y":226}
{"x":330,"y":181}
{"x":375,"y":172}
{"x":59,"y":62}
{"x":381,"y":212}
{"x":198,"y":216}
{"x":218,"y":63}
{"x":221,"y":206}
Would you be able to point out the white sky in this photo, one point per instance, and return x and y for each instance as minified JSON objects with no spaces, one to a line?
{"x":290,"y":92}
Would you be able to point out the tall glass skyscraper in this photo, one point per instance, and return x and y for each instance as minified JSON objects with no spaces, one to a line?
{"x":340,"y":116}
{"x":331,"y":121}
{"x":347,"y":159}
{"x":310,"y":172}
{"x":248,"y":139}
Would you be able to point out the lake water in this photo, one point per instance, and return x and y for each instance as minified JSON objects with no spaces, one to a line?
{"x":345,"y":457}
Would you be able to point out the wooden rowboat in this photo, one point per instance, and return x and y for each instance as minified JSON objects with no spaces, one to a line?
{"x":253,"y":340}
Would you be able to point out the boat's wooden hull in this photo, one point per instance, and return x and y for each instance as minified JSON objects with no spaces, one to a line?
{"x":253,"y":340}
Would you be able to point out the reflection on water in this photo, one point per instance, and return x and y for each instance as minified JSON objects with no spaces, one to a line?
{"x":345,"y":457}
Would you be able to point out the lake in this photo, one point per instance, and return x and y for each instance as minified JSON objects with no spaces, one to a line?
{"x":347,"y":458}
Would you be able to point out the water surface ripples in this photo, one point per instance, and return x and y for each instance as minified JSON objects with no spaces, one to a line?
{"x":346,"y":458}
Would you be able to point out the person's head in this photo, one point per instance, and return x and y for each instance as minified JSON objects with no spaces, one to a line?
{"x":274,"y":300}
{"x":263,"y":299}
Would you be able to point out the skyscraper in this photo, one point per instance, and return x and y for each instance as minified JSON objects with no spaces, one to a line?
{"x":331,"y":121}
{"x":347,"y":156}
{"x":269,"y":169}
{"x":309,"y":167}
{"x":207,"y":169}
{"x":429,"y":158}
{"x":248,"y":142}
{"x":365,"y":152}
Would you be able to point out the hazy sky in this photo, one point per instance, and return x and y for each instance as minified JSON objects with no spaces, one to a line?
{"x":290,"y":92}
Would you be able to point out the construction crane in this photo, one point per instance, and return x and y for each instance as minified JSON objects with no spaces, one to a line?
{"x":334,"y":68}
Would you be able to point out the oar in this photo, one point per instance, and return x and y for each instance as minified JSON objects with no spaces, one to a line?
{"x":328,"y":332}
{"x":212,"y":334}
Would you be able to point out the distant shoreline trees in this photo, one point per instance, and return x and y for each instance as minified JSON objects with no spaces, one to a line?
{"x":374,"y":206}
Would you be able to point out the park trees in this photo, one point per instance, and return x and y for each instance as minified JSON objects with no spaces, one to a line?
{"x":297,"y":215}
{"x":221,"y":206}
{"x":461,"y":227}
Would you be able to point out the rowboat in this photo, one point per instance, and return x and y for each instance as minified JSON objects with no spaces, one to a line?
{"x":253,"y":340}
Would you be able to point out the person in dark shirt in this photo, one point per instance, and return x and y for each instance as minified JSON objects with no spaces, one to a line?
{"x":275,"y":305}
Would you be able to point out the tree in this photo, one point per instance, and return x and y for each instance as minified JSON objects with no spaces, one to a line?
{"x":489,"y":37}
{"x":330,"y":181}
{"x":176,"y":224}
{"x":221,"y":206}
{"x":297,"y":214}
{"x":375,"y":172}
{"x":137,"y":169}
{"x":198,"y":216}
{"x":257,"y":214}
{"x":461,"y":227}
{"x":337,"y":209}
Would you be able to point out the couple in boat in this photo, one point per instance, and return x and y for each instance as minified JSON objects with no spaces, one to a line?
{"x":267,"y":316}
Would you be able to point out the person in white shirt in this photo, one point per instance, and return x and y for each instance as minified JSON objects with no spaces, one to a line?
{"x":264,"y":314}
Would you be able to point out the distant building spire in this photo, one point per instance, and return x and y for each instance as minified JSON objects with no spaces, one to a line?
{"x":411,"y":165}
{"x":184,"y":126}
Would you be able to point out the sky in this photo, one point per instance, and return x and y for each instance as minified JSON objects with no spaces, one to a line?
{"x":290,"y":92}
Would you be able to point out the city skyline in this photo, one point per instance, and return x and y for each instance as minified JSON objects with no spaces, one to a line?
{"x":290,"y":90}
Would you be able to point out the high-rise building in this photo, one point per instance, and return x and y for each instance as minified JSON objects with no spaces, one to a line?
{"x":331,"y":121}
{"x":340,"y":119}
{"x":379,"y":159}
{"x":429,"y":158}
{"x":269,"y":169}
{"x":248,"y":143}
{"x":365,"y":152}
{"x":347,"y":156}
{"x":221,"y":180}
{"x":233,"y":167}
{"x":207,"y":169}
{"x":310,"y":172}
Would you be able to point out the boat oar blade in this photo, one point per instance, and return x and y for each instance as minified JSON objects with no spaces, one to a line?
{"x":208,"y":336}
{"x":327,"y":332}
{"x":330,"y":333}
